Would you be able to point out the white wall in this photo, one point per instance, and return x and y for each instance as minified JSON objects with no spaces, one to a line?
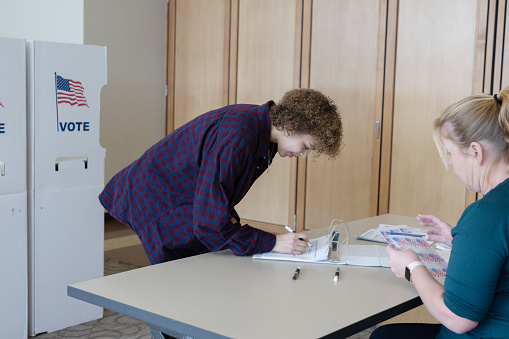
{"x":134,"y":31}
{"x":47,"y":20}
{"x":133,"y":101}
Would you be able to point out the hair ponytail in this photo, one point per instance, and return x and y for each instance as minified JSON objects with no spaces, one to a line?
{"x":479,"y":117}
{"x":502,"y":99}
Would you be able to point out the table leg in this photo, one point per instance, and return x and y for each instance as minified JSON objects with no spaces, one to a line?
{"x":159,"y":334}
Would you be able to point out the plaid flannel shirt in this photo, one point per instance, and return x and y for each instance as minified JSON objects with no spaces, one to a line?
{"x":179,"y":196}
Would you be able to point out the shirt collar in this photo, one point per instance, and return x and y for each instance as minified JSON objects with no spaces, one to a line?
{"x":264,"y":136}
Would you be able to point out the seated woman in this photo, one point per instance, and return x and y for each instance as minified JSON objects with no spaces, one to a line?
{"x":473,"y":138}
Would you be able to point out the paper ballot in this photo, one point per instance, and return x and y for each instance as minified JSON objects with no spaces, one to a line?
{"x":319,"y":252}
{"x":435,"y":264}
{"x":359,"y":255}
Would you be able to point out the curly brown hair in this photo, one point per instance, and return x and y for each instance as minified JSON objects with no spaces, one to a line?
{"x":306,"y":111}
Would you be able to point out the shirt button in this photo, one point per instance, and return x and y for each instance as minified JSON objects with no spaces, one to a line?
{"x":257,"y":167}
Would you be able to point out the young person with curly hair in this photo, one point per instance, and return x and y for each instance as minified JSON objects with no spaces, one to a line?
{"x":180,"y":196}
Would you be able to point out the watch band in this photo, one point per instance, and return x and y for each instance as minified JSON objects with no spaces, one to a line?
{"x":410,"y":268}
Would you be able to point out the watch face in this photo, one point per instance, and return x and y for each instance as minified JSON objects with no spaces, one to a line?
{"x":407,"y":273}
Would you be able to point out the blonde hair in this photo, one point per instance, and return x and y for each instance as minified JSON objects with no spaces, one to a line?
{"x":475,"y":118}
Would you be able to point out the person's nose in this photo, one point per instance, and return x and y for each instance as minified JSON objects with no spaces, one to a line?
{"x":305,"y":153}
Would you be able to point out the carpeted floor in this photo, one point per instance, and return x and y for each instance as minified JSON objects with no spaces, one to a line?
{"x":123,"y":252}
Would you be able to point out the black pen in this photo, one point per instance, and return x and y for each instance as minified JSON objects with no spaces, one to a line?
{"x":296,"y":274}
{"x":336,"y":275}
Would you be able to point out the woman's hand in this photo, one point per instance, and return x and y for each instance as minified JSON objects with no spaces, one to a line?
{"x":442,"y":231}
{"x":291,"y":243}
{"x":400,"y":258}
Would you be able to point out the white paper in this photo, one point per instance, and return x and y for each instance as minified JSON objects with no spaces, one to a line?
{"x":372,"y":235}
{"x":367,"y":255}
{"x":317,"y":253}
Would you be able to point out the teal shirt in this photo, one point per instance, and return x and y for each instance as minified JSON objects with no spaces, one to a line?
{"x":477,"y":282}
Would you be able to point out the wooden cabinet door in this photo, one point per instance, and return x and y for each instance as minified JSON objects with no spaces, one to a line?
{"x":345,"y":65}
{"x":200,"y":75}
{"x":267,"y":58}
{"x":435,"y":66}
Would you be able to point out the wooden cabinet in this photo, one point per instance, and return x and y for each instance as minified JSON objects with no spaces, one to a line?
{"x":266,"y":61}
{"x":344,"y":43}
{"x":438,"y":48}
{"x":390,"y":66}
{"x":197,"y":69}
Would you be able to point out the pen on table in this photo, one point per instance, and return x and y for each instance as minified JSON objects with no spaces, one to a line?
{"x":336,"y":275}
{"x":291,"y":231}
{"x":296,"y":274}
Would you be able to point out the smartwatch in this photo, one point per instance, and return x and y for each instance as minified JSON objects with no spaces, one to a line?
{"x":410,"y":268}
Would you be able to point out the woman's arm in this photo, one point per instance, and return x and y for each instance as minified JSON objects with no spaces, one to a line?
{"x":430,"y":291}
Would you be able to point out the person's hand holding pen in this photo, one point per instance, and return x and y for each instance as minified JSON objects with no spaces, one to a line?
{"x":292,"y":231}
{"x":292,"y":243}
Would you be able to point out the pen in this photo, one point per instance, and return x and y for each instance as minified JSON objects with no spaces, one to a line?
{"x":336,"y":275}
{"x":291,"y":231}
{"x":407,"y":234}
{"x":296,"y":274}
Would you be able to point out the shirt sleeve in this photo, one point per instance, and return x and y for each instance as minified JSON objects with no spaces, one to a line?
{"x":475,"y":263}
{"x":220,"y":170}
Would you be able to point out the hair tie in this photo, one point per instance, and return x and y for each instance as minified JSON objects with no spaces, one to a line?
{"x":497,"y":100}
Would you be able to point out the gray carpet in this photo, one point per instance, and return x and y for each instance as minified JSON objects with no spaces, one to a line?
{"x":115,"y":325}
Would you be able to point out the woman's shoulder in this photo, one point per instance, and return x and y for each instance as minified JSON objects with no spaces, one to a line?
{"x":489,"y":207}
{"x":492,"y":209}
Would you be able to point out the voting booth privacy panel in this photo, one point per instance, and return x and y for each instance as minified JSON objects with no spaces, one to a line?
{"x":65,"y":177}
{"x":13,"y":189}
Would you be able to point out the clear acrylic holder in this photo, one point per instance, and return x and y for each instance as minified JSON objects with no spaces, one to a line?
{"x":338,"y":241}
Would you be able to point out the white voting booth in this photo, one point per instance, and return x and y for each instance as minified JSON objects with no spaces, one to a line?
{"x":13,"y":189}
{"x":65,"y":177}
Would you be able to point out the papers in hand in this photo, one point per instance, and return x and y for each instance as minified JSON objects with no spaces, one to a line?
{"x":435,"y":264}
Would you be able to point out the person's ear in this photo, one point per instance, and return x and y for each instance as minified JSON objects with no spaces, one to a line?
{"x":477,"y":151}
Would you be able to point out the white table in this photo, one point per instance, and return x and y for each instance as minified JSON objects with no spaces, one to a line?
{"x":220,"y":295}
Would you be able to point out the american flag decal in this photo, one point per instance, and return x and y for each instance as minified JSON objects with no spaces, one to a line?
{"x":1,"y":103}
{"x":70,"y":92}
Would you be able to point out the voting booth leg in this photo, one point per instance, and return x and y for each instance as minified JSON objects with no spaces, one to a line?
{"x":13,"y":250}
